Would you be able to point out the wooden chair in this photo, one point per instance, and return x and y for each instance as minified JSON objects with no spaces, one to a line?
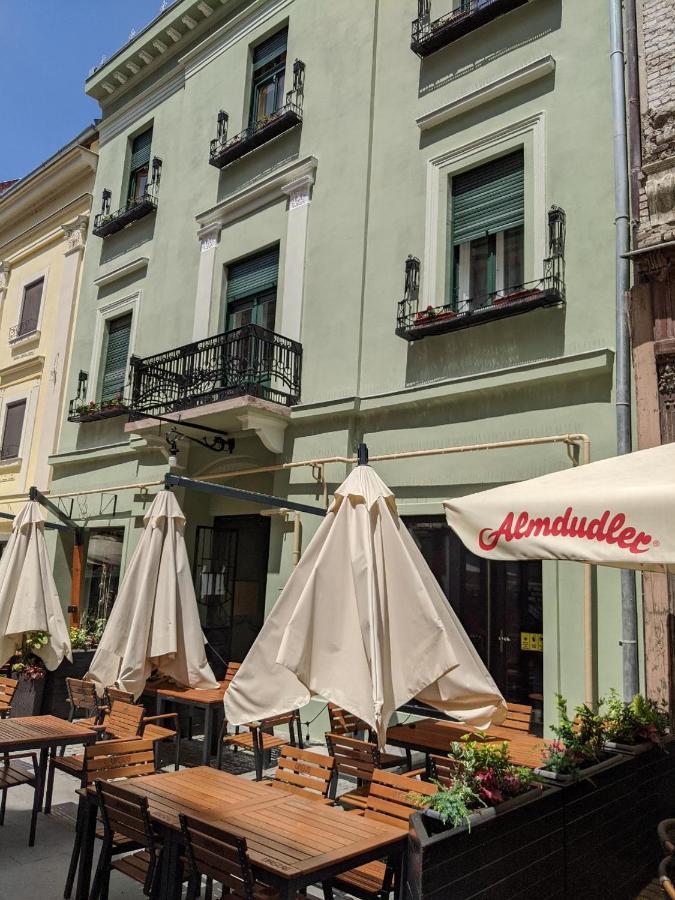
{"x":148,"y":729}
{"x":260,"y":738}
{"x":221,"y":857}
{"x":356,"y":759}
{"x":109,"y":760}
{"x":7,"y":689}
{"x":125,"y":815}
{"x":230,"y":672}
{"x":305,"y":773}
{"x":518,"y":718}
{"x":83,"y":701}
{"x":121,"y":722}
{"x":442,"y":769}
{"x":15,"y":776}
{"x":347,"y":724}
{"x":389,"y":800}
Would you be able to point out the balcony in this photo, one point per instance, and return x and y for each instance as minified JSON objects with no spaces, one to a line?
{"x":428,"y":37}
{"x":107,"y":222}
{"x":413,"y":323}
{"x":248,"y":361}
{"x":80,"y":410}
{"x":226,"y":150}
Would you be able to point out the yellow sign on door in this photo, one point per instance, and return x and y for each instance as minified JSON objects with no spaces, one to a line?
{"x":530,"y":640}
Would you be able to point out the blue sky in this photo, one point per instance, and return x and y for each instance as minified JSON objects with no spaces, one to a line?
{"x":48,"y":48}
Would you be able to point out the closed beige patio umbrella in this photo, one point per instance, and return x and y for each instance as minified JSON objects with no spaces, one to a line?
{"x":29,"y":600}
{"x":154,"y":624}
{"x":363,"y":623}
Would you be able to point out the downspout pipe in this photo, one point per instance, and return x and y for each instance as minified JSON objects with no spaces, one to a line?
{"x":623,"y":383}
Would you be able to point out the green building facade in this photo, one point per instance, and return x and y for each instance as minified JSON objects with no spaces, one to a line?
{"x":315,"y":232}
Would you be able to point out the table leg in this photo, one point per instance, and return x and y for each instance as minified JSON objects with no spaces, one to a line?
{"x":209,"y":714}
{"x":42,"y":769}
{"x":171,"y":868}
{"x":88,"y":826}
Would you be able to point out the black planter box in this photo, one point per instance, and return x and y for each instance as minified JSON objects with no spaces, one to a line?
{"x":28,"y":698}
{"x":55,"y":701}
{"x":594,"y":838}
{"x":518,"y":852}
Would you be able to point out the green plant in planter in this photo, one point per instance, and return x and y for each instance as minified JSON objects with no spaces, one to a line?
{"x":26,"y":664}
{"x":87,"y":635}
{"x":485,"y":776}
{"x":635,"y":722}
{"x":579,"y":743}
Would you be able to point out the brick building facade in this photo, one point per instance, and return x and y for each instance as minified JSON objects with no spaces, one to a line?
{"x":652,"y":302}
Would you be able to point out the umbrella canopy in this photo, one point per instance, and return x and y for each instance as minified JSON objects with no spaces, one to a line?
{"x":363,"y":623}
{"x":154,"y":622}
{"x":29,"y":600}
{"x":615,"y":512}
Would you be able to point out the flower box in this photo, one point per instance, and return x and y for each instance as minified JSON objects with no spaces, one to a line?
{"x":27,"y":700}
{"x":426,"y":318}
{"x":515,"y":295}
{"x":609,"y":760}
{"x":96,"y":413}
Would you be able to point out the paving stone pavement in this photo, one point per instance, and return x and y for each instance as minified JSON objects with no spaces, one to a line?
{"x":40,"y":871}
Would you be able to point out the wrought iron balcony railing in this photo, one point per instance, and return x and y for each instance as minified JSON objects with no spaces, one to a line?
{"x":107,"y":222}
{"x":80,"y":410}
{"x":226,"y":150}
{"x":413,"y":323}
{"x":428,"y":37}
{"x":247,"y":360}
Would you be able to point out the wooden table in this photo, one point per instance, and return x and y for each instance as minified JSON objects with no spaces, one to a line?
{"x":211,"y":701}
{"x":436,"y":736}
{"x":292,"y":841}
{"x":41,"y":733}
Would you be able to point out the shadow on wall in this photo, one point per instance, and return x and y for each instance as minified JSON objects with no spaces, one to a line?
{"x":531,"y":337}
{"x":500,"y":37}
{"x":130,"y":238}
{"x":258,"y":163}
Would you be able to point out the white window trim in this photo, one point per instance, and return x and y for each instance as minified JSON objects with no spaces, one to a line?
{"x":31,"y":335}
{"x":474,"y":153}
{"x":109,"y":311}
{"x":19,"y":464}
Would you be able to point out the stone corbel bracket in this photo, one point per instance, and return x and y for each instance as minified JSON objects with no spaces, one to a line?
{"x":270,"y":428}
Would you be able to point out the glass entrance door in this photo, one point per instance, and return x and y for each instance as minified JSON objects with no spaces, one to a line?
{"x":499,"y":605}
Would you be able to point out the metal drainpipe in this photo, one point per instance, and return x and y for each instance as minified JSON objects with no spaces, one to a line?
{"x":623,"y":386}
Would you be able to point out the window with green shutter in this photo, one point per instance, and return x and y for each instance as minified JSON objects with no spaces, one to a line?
{"x":269,"y":68}
{"x":487,"y":228}
{"x":252,"y":290}
{"x":116,"y":356}
{"x":140,"y":165}
{"x":13,"y":428}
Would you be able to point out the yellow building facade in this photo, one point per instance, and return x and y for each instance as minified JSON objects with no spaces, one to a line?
{"x":43,"y":230}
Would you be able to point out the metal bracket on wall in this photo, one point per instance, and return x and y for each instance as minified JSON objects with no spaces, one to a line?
{"x":107,"y":504}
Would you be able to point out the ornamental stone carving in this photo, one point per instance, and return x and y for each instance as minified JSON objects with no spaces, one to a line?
{"x":666,"y":376}
{"x":76,"y":233}
{"x":299,"y":191}
{"x":4,"y":276}
{"x":209,"y":238}
{"x":660,"y":191}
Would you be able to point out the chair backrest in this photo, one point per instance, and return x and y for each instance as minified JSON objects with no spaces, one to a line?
{"x":118,"y":759}
{"x":219,"y":855}
{"x":518,"y":717}
{"x":7,"y":689}
{"x":82,"y":695}
{"x":124,"y":719}
{"x":391,"y":797}
{"x":125,"y":813}
{"x":230,"y":672}
{"x":443,"y":769}
{"x":343,"y":722}
{"x":304,"y":772}
{"x":292,"y":719}
{"x":114,"y":694}
{"x":353,"y":757}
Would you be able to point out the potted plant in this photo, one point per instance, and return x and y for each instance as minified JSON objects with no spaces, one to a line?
{"x":579,"y":747}
{"x":634,"y":727}
{"x":432,"y":313}
{"x":484,"y":778}
{"x":29,"y":671}
{"x":514,"y":295}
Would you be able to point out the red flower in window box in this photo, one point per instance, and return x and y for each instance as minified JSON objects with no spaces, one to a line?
{"x":430,"y":314}
{"x":515,"y":295}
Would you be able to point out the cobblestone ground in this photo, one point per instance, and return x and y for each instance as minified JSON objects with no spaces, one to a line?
{"x":40,"y":871}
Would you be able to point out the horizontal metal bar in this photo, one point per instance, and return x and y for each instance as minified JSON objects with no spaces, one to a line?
{"x":35,"y":494}
{"x":55,"y":526}
{"x":208,"y":487}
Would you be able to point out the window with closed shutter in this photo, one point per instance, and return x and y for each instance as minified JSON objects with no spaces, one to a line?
{"x":11,"y":433}
{"x":140,"y":164}
{"x":487,"y":207}
{"x":30,"y":308}
{"x":116,"y":357}
{"x":252,"y":290}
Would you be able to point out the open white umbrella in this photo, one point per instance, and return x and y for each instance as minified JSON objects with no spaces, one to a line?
{"x":615,"y":512}
{"x":154,"y":622}
{"x":29,"y":600}
{"x":363,"y":623}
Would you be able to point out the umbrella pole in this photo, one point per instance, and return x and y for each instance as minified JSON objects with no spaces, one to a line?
{"x":75,"y":582}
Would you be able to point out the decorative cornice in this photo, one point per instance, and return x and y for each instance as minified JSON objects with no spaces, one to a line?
{"x":273,"y":186}
{"x":533,"y":71}
{"x":209,"y":237}
{"x":135,"y":265}
{"x":4,"y":276}
{"x":299,"y":191}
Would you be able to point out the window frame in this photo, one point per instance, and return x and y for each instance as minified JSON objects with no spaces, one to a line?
{"x":273,"y":71}
{"x":132,"y":173}
{"x":115,"y":309}
{"x":104,"y":354}
{"x":17,"y":401}
{"x":28,"y":336}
